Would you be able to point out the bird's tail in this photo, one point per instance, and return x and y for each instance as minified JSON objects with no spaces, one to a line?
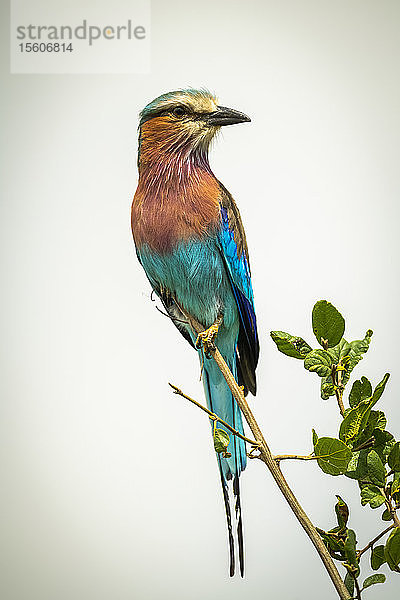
{"x":221,"y":402}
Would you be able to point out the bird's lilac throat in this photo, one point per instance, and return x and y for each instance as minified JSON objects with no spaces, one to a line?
{"x":177,"y":198}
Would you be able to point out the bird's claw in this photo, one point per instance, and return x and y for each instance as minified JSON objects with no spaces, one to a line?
{"x":206,"y":338}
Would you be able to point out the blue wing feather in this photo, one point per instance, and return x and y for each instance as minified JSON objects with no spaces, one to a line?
{"x":234,"y":252}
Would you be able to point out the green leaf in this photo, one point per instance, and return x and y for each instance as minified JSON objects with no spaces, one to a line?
{"x":360,"y":391}
{"x":314,"y":437}
{"x":357,"y":468}
{"x":332,"y":541}
{"x":355,"y":394}
{"x":342,"y":512}
{"x":392,"y":550}
{"x":356,"y":419}
{"x":349,"y":583}
{"x":348,"y":355}
{"x":395,"y":487}
{"x":221,"y":440}
{"x":328,"y":324}
{"x":361,"y":346}
{"x":366,"y":388}
{"x":370,"y":494}
{"x":338,"y":354}
{"x":383,"y":443}
{"x":377,"y":557}
{"x":290,"y":345}
{"x":371,"y":436}
{"x":386,"y":516}
{"x":327,"y":388}
{"x":394,"y":457}
{"x":376,"y":470}
{"x":380,"y":388}
{"x":357,"y":349}
{"x":333,"y":456}
{"x":377,"y":420}
{"x":350,"y":545}
{"x":340,"y":351}
{"x":318,"y":361}
{"x":373,"y":579}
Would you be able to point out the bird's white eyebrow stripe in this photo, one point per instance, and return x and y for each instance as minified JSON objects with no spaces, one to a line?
{"x":187,"y":103}
{"x":197,"y":102}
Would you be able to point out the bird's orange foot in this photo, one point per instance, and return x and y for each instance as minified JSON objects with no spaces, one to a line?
{"x":206,"y":338}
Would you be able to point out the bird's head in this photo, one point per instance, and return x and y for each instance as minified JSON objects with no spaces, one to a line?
{"x":183,"y":121}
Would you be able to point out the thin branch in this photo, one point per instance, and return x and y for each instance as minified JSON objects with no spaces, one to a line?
{"x":391,"y":509}
{"x":280,"y":457}
{"x":253,"y":443}
{"x":368,"y":443}
{"x":376,"y":539}
{"x":357,"y":589}
{"x":337,"y":380}
{"x":340,"y":402}
{"x":273,"y":467}
{"x":214,"y":417}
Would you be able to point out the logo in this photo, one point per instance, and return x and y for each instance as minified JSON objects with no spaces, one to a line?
{"x":50,"y":36}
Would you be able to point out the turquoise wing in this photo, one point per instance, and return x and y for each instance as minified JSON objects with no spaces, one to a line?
{"x":233,"y":248}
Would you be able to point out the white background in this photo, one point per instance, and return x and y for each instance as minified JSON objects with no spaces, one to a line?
{"x":110,"y":489}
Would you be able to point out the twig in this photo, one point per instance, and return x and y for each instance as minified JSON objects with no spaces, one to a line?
{"x":340,"y":402}
{"x":280,"y":457}
{"x":357,"y":589}
{"x":391,"y":509}
{"x":273,"y":467}
{"x":214,"y":417}
{"x":337,"y":377}
{"x":376,"y":539}
{"x":368,"y":443}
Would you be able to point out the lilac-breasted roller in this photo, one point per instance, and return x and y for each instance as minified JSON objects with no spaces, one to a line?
{"x":191,"y":243}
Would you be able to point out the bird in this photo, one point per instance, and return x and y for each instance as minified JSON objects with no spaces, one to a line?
{"x":191,"y":243}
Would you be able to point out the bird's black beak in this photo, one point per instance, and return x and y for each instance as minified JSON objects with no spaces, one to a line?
{"x":226,"y":116}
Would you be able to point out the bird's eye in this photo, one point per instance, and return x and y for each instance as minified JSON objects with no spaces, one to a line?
{"x":179,"y":111}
